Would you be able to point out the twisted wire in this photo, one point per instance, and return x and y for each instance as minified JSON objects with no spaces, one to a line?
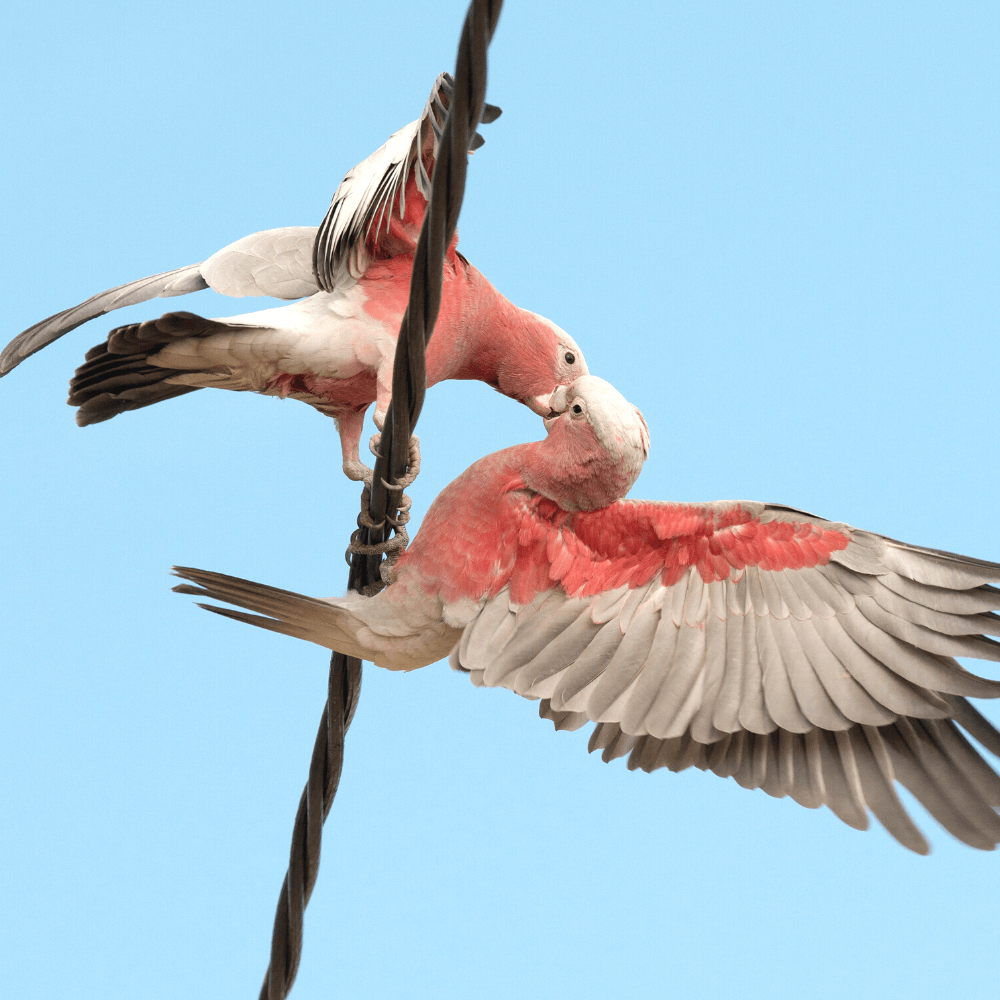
{"x":409,"y":380}
{"x":372,"y":552}
{"x":392,"y":547}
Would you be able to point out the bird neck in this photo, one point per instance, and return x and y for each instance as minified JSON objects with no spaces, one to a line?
{"x":572,"y":468}
{"x":477,"y":520}
{"x":476,"y":329}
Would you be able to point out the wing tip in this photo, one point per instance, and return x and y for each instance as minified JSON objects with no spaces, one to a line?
{"x":490,"y":114}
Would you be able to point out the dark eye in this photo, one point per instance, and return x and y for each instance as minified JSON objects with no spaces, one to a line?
{"x":570,"y":358}
{"x":577,"y":408}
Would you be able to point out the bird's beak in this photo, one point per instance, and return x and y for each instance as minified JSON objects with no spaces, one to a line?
{"x":557,"y":401}
{"x":550,"y":407}
{"x":549,"y":404}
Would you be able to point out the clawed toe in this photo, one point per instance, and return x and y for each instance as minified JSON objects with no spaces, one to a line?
{"x":413,"y":460}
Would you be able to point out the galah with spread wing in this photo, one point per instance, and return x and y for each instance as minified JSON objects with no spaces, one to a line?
{"x":794,"y":654}
{"x":333,"y":349}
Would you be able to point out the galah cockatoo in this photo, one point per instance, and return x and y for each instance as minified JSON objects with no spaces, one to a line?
{"x":795,"y":654}
{"x":334,"y":348}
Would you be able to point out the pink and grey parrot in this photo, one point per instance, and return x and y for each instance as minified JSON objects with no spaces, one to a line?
{"x":794,"y":654}
{"x":334,"y":348}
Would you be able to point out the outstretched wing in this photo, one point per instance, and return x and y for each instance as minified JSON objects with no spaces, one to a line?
{"x":178,"y":282}
{"x":850,"y":770}
{"x":275,"y":262}
{"x":798,"y":655}
{"x":375,"y":191}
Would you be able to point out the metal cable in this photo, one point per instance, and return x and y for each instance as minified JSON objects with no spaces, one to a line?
{"x":392,"y":466}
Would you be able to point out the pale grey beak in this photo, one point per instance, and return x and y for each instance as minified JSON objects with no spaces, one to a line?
{"x":549,"y":404}
{"x":557,"y":407}
{"x":557,"y":401}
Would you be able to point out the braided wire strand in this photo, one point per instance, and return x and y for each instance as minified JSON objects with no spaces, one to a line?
{"x":440,"y":220}
{"x":387,"y":509}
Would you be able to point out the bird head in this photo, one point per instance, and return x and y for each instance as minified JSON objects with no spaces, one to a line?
{"x":538,"y":359}
{"x":597,"y":443}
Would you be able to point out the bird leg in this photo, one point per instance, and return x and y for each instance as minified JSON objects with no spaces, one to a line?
{"x":383,"y":389}
{"x":350,"y":425}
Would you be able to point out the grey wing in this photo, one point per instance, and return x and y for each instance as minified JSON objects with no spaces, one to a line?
{"x":850,"y":771}
{"x":178,"y":282}
{"x":370,"y":192}
{"x":827,"y":683}
{"x":276,"y":262}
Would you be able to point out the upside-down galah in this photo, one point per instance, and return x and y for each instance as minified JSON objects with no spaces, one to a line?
{"x":334,"y":348}
{"x":795,"y":654}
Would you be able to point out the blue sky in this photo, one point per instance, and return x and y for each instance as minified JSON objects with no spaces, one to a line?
{"x":773,"y":226}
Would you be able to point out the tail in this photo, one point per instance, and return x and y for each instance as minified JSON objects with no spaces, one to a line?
{"x":324,"y":622}
{"x":116,"y":375}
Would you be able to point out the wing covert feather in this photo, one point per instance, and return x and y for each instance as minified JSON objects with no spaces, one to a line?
{"x":540,"y":675}
{"x":628,"y":660}
{"x":753,"y":712}
{"x":674,"y":696}
{"x":570,"y":694}
{"x":275,"y":262}
{"x":652,"y":675}
{"x":725,"y":716}
{"x":702,"y":728}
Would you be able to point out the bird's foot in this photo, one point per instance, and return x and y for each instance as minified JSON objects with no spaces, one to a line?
{"x":358,"y":472}
{"x":413,"y":460}
{"x":397,"y":517}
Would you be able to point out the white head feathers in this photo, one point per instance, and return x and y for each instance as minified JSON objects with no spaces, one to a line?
{"x":619,"y":426}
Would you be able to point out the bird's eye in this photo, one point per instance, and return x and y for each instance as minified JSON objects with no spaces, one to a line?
{"x":577,"y":408}
{"x":570,"y":358}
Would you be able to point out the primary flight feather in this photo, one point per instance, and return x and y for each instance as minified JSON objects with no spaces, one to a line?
{"x":795,"y":654}
{"x":334,"y":348}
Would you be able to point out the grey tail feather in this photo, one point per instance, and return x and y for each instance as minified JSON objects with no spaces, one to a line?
{"x":235,"y":589}
{"x":284,"y":605}
{"x":108,"y":384}
{"x":283,"y":608}
{"x":116,"y":376}
{"x":271,"y":624}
